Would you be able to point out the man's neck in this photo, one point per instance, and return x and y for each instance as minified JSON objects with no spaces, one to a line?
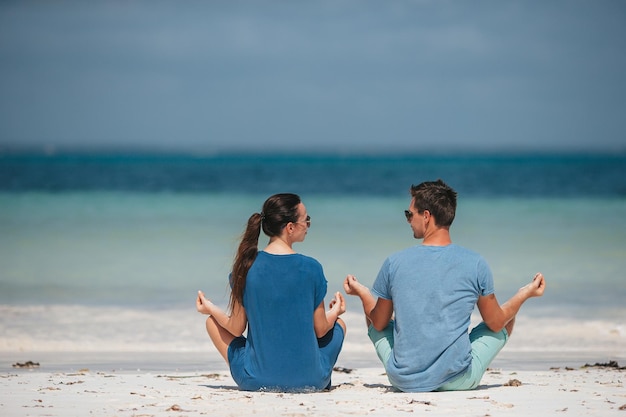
{"x":437,"y":237}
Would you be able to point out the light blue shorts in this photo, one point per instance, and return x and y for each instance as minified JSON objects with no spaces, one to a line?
{"x":486,"y":344}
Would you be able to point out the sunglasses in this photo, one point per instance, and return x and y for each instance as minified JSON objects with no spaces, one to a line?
{"x":409,"y":214}
{"x":307,"y":221}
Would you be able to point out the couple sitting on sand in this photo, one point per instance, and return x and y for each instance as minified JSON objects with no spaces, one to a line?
{"x":418,"y":311}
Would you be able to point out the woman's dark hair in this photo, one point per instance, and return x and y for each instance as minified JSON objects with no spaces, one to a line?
{"x":277,"y":212}
{"x":438,"y":198}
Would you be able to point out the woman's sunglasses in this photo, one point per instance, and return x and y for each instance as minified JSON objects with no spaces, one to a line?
{"x":307,"y":221}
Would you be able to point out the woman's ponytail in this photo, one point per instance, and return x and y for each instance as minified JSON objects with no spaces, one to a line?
{"x":246,"y":254}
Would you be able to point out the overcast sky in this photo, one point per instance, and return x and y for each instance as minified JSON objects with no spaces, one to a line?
{"x":300,"y":75}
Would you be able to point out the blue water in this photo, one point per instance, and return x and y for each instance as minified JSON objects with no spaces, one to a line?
{"x":149,"y":230}
{"x":471,"y":175}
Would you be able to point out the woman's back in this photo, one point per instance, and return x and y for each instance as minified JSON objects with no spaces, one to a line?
{"x":281,"y":293}
{"x":292,"y":342}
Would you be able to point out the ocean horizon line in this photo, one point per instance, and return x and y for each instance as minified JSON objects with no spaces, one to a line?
{"x":313,"y":154}
{"x":510,"y":174}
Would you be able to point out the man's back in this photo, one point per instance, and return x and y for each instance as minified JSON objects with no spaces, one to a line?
{"x":434,"y":290}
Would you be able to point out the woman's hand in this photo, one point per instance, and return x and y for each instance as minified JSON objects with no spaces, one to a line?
{"x":337,"y":305}
{"x":323,"y":320}
{"x":203,"y":305}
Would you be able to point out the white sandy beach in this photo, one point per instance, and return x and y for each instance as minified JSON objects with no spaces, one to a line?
{"x":570,"y":392}
{"x":109,"y":368}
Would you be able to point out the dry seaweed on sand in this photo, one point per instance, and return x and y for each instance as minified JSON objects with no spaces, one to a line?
{"x":513,"y":383}
{"x":610,"y":364}
{"x":27,"y":364}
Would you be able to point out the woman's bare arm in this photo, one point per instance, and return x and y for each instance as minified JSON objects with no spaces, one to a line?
{"x":234,"y":323}
{"x":323,"y":320}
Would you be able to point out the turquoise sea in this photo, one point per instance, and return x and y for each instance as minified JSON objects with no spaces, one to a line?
{"x":106,"y":252}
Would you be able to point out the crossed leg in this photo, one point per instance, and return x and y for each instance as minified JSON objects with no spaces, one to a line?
{"x":220,"y":337}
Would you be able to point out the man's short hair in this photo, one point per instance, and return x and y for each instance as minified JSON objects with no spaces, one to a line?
{"x":438,"y":198}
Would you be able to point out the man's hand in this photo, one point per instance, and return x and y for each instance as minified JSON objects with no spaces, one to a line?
{"x":352,"y":286}
{"x":536,"y":287}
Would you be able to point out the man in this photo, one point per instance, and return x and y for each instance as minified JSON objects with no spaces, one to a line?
{"x":431,"y":290}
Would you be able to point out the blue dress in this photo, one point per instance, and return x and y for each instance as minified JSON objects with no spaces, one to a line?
{"x":281,"y":351}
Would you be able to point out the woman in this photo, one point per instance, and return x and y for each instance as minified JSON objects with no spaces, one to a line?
{"x":292,"y":342}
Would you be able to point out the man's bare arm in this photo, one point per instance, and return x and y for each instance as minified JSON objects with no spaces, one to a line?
{"x":378,"y":312}
{"x":497,"y":316}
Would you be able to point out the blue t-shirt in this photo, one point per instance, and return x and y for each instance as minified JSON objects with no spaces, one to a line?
{"x":281,"y":351}
{"x":434,"y":290}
